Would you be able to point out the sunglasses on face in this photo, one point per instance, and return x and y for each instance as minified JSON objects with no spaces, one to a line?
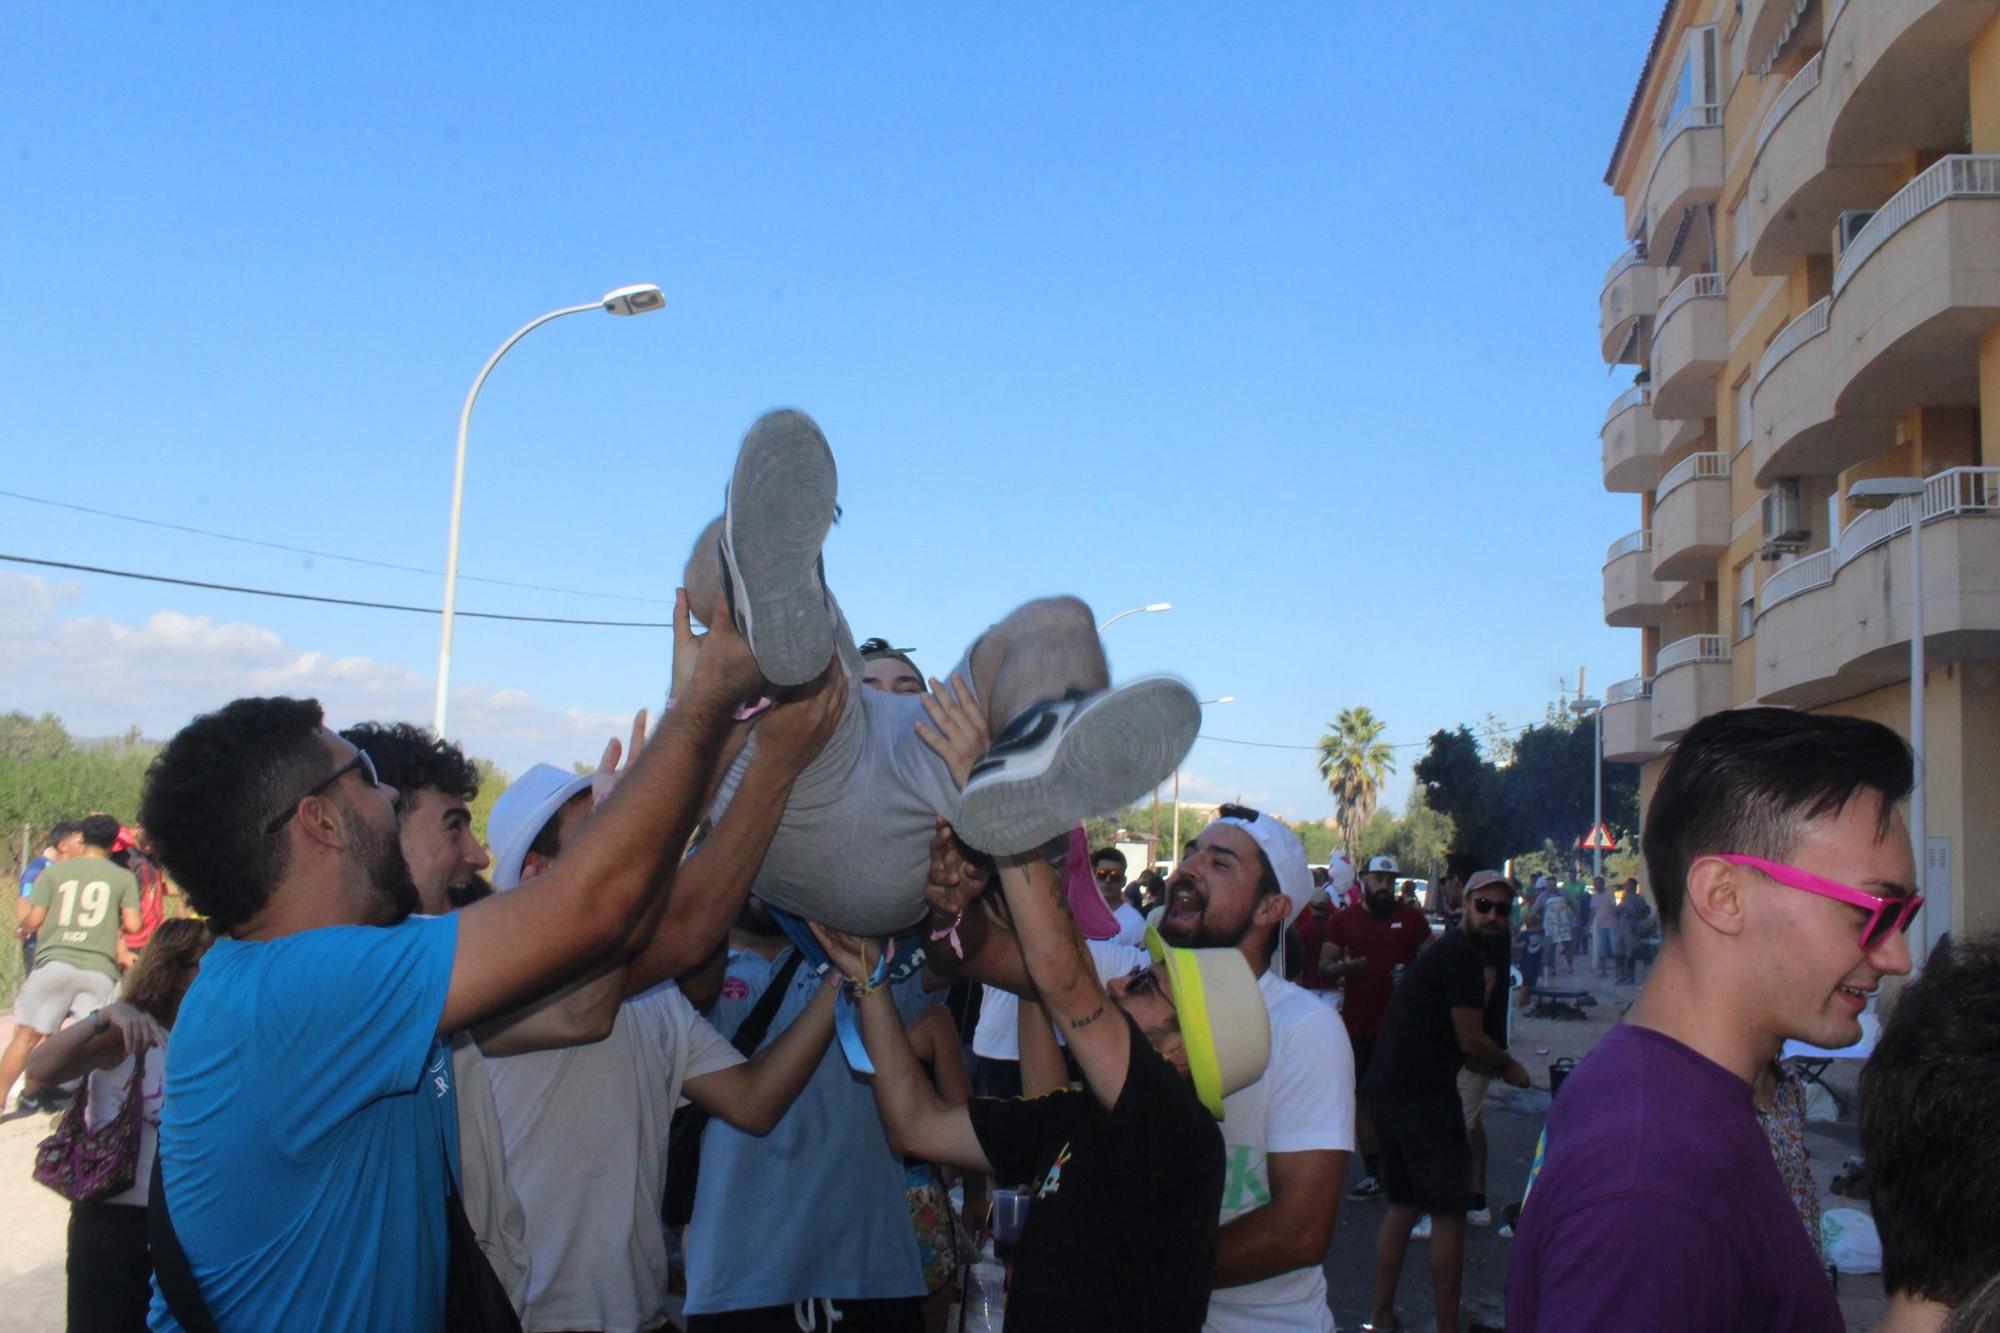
{"x":1108,"y":873}
{"x":1886,"y":916}
{"x":1489,"y":906}
{"x":360,"y":761}
{"x":1142,"y":980}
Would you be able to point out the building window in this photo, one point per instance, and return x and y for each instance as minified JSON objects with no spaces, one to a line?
{"x":1739,"y":408}
{"x":1746,"y":601}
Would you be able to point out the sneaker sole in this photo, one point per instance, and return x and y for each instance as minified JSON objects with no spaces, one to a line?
{"x":779,"y":508}
{"x":1119,"y":747}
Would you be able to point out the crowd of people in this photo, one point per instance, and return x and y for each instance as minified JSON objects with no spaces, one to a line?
{"x":695,"y":1023}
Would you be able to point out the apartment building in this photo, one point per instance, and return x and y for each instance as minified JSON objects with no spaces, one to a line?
{"x":1809,"y":298}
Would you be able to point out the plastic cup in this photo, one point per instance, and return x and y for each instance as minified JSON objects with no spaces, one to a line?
{"x":1010,"y":1215}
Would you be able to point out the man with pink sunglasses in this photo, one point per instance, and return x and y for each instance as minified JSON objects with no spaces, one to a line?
{"x":1784,"y":881}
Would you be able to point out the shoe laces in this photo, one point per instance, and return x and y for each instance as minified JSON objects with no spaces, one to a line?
{"x":806,"y":1313}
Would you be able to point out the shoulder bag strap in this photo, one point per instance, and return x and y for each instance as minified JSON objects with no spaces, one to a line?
{"x":758,"y":1023}
{"x":170,"y":1263}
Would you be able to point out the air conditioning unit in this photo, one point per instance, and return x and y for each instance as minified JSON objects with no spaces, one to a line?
{"x":1784,"y":521}
{"x":1847,"y":226}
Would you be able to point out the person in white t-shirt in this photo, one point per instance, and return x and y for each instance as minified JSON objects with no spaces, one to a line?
{"x":585,"y":1127}
{"x":1108,"y":868}
{"x":1288,"y":1134}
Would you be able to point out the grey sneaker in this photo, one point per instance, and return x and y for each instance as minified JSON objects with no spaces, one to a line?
{"x":780,"y":504}
{"x":1366,"y":1188}
{"x":1068,"y":759}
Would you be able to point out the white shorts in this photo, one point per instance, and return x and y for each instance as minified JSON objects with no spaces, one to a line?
{"x":56,"y":989}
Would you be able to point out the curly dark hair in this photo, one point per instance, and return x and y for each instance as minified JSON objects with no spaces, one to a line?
{"x":213,"y":788}
{"x":409,"y":758}
{"x":99,"y":831}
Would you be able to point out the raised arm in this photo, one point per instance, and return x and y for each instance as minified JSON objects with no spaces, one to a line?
{"x":754,"y":1096}
{"x":918,"y":1122}
{"x":98,"y":1042}
{"x":515,"y":946}
{"x":1065,"y":977}
{"x":1043,"y":1070}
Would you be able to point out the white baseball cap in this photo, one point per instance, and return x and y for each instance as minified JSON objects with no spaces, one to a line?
{"x":528,"y":804}
{"x":1281,"y":848}
{"x":1385,"y":865}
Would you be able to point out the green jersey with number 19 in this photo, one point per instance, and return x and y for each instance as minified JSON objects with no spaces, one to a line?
{"x":84,"y":897}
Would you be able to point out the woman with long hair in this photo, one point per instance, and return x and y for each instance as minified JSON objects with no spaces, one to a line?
{"x":110,"y":1273}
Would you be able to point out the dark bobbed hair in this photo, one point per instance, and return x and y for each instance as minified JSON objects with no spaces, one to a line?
{"x":164,"y":971}
{"x":1927,"y":1099}
{"x":215,"y":786}
{"x":410,"y":758}
{"x":1109,"y":854}
{"x":1753,"y":781}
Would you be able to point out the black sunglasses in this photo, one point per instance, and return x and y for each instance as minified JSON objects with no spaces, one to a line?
{"x":360,"y":761}
{"x":1141,"y":981}
{"x":1488,"y":906}
{"x":1108,"y":872}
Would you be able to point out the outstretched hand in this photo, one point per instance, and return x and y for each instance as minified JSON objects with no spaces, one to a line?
{"x":848,"y":953}
{"x":723,"y":671}
{"x":614,"y":763}
{"x":798,"y":727}
{"x":954,"y":879}
{"x":138,"y":1029}
{"x":957,"y":731}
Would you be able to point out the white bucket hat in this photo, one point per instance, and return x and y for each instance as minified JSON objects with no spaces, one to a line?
{"x":528,"y":804}
{"x":1225,"y":1023}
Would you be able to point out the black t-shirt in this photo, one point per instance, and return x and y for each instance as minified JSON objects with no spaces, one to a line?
{"x":1122,"y":1203}
{"x":1498,"y":952}
{"x":1417,"y":1055}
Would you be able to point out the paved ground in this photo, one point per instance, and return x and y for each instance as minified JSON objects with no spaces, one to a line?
{"x":33,"y":1220}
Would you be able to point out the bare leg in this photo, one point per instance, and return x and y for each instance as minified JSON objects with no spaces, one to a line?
{"x":1371,"y":1147}
{"x":1391,"y":1242}
{"x":1447,"y":1266}
{"x":15,"y":1058}
{"x":1042,"y":650}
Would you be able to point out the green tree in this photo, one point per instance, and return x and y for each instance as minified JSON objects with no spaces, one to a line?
{"x":1355,"y":761}
{"x":493,"y":780}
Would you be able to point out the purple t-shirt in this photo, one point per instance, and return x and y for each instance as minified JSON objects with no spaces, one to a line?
{"x":1659,"y":1206}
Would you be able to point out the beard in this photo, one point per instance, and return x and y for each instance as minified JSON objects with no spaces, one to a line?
{"x":383,"y":866}
{"x":1208,"y":932}
{"x":1381,"y":904}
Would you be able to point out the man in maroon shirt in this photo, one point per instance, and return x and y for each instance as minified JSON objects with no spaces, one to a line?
{"x":1785,"y":880}
{"x":1365,"y":944}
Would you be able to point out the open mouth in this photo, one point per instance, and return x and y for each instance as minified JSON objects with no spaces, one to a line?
{"x":1857,"y":993}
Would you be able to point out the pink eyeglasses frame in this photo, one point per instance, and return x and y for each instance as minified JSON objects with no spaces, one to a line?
{"x":1886,"y":916}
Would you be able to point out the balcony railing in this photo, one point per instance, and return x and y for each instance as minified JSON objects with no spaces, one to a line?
{"x":1633,"y":255}
{"x":1833,"y":8}
{"x":1801,"y":576}
{"x":1700,"y":115}
{"x":1636,"y":396}
{"x":1697,"y":648}
{"x":1692,"y":468}
{"x":1699,"y":286}
{"x":1795,"y":335}
{"x":1958,"y":490}
{"x":1960,"y":176}
{"x":1632,"y":543}
{"x":1625,"y":691}
{"x":1795,"y":92}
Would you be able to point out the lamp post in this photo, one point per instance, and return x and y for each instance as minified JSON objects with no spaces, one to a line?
{"x":1150,"y":609}
{"x":1594,"y":708}
{"x":1224,"y":699}
{"x":1880,"y":493}
{"x":639,"y":299}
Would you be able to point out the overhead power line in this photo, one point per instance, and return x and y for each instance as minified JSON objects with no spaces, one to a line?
{"x":320,"y":555}
{"x":1398,"y":745}
{"x":330,"y":601}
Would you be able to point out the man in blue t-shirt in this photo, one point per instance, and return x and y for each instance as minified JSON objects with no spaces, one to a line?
{"x":308,"y":1135}
{"x":827,"y":1158}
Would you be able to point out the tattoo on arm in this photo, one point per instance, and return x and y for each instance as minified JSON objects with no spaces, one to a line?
{"x":1088,"y":1018}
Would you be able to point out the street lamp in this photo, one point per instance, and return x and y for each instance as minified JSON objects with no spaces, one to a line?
{"x":638,"y":299}
{"x":1202,"y":703}
{"x":1150,"y":609}
{"x":1880,"y":493}
{"x":1594,"y":708}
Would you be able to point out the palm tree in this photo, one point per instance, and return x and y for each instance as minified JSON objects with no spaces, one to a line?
{"x":1355,"y":761}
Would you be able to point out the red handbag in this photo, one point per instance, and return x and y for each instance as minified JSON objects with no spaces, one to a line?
{"x":84,"y":1164}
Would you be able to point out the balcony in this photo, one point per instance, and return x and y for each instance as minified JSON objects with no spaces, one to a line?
{"x":1687,"y":172}
{"x":1690,"y":344}
{"x":1795,"y":194}
{"x":1630,"y":295}
{"x":1795,"y":634}
{"x":1633,"y":598}
{"x":1691,"y":518}
{"x":1633,"y":458}
{"x":1794,"y":428}
{"x":1690,"y":681}
{"x":1871,"y":609}
{"x":1899,"y":75}
{"x":1628,"y":723}
{"x":1915,"y":290}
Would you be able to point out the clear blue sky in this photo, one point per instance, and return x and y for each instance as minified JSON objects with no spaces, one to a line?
{"x":1285,"y":314}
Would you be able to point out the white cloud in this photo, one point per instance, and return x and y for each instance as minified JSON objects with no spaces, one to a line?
{"x":102,"y":676}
